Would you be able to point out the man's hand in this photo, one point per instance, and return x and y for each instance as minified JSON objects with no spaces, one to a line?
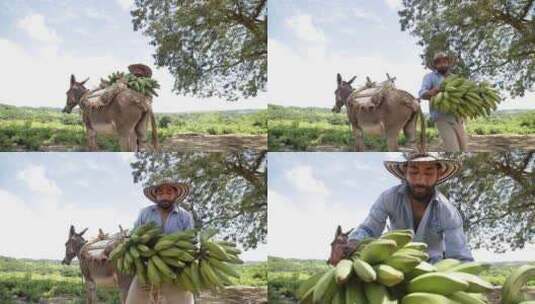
{"x":351,"y":246}
{"x":431,"y":93}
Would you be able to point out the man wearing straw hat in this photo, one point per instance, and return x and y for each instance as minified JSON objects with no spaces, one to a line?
{"x":450,"y":128}
{"x":416,"y":204}
{"x":171,"y":218}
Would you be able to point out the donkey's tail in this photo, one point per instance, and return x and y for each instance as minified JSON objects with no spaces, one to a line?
{"x":154,"y":128}
{"x":422,"y":143}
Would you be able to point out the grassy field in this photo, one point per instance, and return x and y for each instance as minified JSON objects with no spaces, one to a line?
{"x":24,"y":128}
{"x":285,"y":275}
{"x":33,"y":281}
{"x":300,"y":129}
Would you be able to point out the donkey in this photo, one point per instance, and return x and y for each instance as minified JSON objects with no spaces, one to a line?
{"x":122,"y":116}
{"x":95,"y":272}
{"x":389,"y":111}
{"x":338,"y":246}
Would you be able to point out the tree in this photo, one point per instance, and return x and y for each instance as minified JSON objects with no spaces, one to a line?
{"x":495,"y":194}
{"x":492,"y":39}
{"x":213,"y":48}
{"x":228,"y":190}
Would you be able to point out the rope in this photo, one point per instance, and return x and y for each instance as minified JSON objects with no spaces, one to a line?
{"x":421,"y":147}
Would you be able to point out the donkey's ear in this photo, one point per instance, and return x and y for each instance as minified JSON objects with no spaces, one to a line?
{"x":83,"y":231}
{"x":83,"y":82}
{"x":73,"y":79}
{"x":338,"y":231}
{"x":338,"y":79}
{"x":71,"y":231}
{"x":351,"y":80}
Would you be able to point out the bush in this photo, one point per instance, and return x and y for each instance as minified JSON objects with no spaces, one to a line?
{"x":164,"y":122}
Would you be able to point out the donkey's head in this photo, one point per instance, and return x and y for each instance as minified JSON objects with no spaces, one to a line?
{"x":75,"y":92}
{"x":338,"y":246}
{"x":73,"y":245}
{"x":343,"y":90}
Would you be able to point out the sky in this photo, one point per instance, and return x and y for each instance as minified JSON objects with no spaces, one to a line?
{"x":43,"y":42}
{"x":42,"y":194}
{"x":309,"y":42}
{"x":310,"y":194}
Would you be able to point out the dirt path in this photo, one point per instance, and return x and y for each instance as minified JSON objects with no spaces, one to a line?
{"x":476,"y":143}
{"x":490,"y":143}
{"x":214,"y":143}
{"x":231,"y":295}
{"x":191,"y":142}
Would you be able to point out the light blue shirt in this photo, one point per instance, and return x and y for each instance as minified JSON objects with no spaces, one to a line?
{"x":441,"y":227}
{"x":178,"y":220}
{"x":433,"y":80}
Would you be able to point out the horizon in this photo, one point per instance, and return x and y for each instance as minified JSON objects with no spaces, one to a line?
{"x":309,"y":43}
{"x":43,"y":43}
{"x":322,"y":190}
{"x":55,"y":190}
{"x":76,"y":110}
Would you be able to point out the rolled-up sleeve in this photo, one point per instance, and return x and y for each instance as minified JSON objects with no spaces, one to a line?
{"x":375,"y":223}
{"x":427,"y":84}
{"x":454,"y":237}
{"x":139,"y":221}
{"x":190,"y":223}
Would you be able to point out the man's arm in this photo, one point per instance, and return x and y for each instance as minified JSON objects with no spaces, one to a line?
{"x":372,"y":226}
{"x":190,"y":223}
{"x":139,"y":221}
{"x":427,"y":91}
{"x":455,"y":239}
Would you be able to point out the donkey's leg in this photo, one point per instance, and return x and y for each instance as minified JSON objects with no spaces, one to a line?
{"x":392,"y":139}
{"x":410,"y":129}
{"x":91,"y":139}
{"x":126,"y":133}
{"x":91,"y":292}
{"x":359,"y":138}
{"x":141,"y":131}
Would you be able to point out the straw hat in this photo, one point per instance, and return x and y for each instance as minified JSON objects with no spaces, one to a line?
{"x":182,"y":189}
{"x":140,"y":70}
{"x":448,"y":168}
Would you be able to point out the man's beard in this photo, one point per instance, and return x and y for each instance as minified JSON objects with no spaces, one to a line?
{"x":165,"y":204}
{"x":443,"y":71}
{"x":423,"y":194}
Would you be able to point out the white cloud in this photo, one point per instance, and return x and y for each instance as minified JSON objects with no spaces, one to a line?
{"x":126,"y":4}
{"x":303,"y":179}
{"x":365,"y":15}
{"x":48,"y":70}
{"x":46,"y":236}
{"x":304,"y":228}
{"x":34,"y":25}
{"x":303,"y":78}
{"x":394,"y":4}
{"x":305,"y":29}
{"x":35,"y":178}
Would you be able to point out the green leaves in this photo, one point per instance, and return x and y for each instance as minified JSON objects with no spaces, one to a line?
{"x":213,"y":48}
{"x":228,"y":190}
{"x":492,"y":40}
{"x":495,"y":195}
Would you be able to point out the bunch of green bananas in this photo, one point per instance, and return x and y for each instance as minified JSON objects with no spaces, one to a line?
{"x":512,"y":292}
{"x":393,"y":269}
{"x":144,"y":85}
{"x":211,"y":267}
{"x":156,"y":258}
{"x":465,"y":98}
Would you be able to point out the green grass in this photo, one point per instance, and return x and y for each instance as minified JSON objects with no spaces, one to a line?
{"x":24,"y":128}
{"x":299,"y":129}
{"x":285,"y":276}
{"x":37,"y":280}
